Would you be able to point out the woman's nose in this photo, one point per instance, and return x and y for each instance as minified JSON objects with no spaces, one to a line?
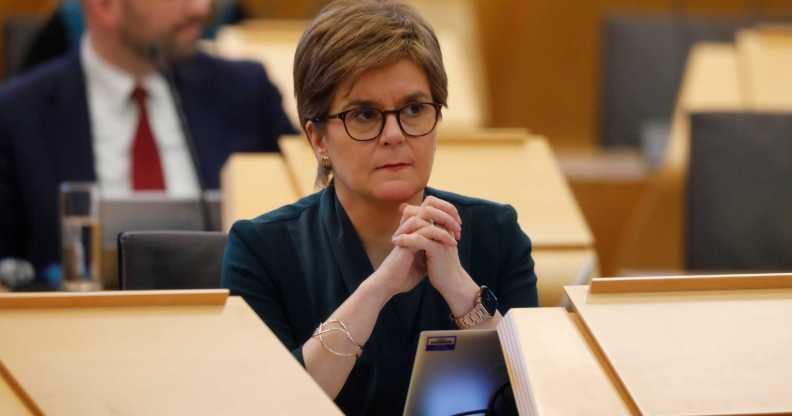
{"x":392,"y":132}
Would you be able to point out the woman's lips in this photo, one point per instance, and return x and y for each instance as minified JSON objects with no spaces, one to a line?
{"x":394,"y":166}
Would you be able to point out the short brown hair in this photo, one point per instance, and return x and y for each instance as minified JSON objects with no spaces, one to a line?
{"x":349,"y":37}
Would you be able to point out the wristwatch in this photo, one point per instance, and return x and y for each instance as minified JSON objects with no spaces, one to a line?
{"x":485,"y":308}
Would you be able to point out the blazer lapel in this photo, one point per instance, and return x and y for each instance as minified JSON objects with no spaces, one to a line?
{"x":69,"y":126}
{"x":348,"y":251}
{"x":192,"y":84}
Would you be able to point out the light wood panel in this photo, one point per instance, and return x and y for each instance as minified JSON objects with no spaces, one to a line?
{"x":691,"y":283}
{"x":765,"y":58}
{"x":301,"y":162}
{"x":457,"y":28}
{"x":212,"y":359}
{"x":113,"y":298}
{"x":13,"y":400}
{"x":524,"y":174}
{"x":552,"y":368}
{"x":252,"y":184}
{"x":711,"y":352}
{"x":607,"y":185}
{"x":556,"y":268}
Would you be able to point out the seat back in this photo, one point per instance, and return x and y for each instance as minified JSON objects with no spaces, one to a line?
{"x":643,"y":63}
{"x":738,"y":192}
{"x":170,"y":259}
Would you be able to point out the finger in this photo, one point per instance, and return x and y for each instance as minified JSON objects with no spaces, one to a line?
{"x":427,"y":229}
{"x":408,"y":211}
{"x":446,"y":206}
{"x":437,"y":234}
{"x":416,"y":225}
{"x":442,"y":219}
{"x":416,"y":242}
{"x":411,"y":225}
{"x":433,"y":215}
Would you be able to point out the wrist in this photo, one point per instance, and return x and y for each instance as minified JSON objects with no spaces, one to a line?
{"x":461,"y":297}
{"x":374,"y":289}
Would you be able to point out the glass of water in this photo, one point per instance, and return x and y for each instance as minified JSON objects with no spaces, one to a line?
{"x":81,"y":245}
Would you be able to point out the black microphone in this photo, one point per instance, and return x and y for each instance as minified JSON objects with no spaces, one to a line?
{"x":164,"y":65}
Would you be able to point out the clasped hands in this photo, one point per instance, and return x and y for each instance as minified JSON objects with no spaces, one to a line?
{"x":425,"y":244}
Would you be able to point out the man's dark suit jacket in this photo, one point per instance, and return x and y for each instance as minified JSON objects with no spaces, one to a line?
{"x":45,"y":138}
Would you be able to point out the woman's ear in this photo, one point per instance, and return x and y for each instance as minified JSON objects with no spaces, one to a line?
{"x":316,"y":138}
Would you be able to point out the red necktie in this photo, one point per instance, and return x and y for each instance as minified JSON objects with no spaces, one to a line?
{"x":146,"y":168}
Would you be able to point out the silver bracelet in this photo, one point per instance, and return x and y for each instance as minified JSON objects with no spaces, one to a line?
{"x":323,"y":329}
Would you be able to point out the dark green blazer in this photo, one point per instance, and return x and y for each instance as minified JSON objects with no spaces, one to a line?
{"x":294,"y":266}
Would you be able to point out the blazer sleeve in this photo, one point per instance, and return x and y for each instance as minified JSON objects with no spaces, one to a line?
{"x":245,"y":274}
{"x":518,"y":280}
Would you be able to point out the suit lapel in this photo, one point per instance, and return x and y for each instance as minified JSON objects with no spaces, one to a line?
{"x":192,"y":84}
{"x":348,"y":251}
{"x":68,"y":126}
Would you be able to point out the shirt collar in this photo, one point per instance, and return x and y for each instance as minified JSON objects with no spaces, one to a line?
{"x":113,"y":83}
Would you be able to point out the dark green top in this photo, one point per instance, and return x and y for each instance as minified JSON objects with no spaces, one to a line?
{"x":294,"y":266}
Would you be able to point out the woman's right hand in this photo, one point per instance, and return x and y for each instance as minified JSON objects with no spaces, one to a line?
{"x":401,"y":271}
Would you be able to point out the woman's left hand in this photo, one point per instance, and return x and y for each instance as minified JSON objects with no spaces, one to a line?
{"x":434,"y":228}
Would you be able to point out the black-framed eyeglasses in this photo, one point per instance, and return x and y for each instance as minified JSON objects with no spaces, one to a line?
{"x":366,"y":123}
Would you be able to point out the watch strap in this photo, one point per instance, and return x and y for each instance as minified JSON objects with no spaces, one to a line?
{"x":473,"y":317}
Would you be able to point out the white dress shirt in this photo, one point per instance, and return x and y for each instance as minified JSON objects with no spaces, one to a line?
{"x":114,"y":120}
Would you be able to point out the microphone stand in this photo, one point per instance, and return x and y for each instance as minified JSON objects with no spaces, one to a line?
{"x":163,"y":65}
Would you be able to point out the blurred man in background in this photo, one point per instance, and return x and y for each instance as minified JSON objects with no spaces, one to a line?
{"x":63,"y":30}
{"x":107,"y":114}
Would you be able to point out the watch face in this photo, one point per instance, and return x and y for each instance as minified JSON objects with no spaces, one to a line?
{"x":488,"y":300}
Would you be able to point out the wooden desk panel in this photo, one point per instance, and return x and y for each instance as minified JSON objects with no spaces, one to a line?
{"x":557,"y":268}
{"x":252,"y":184}
{"x":11,"y":401}
{"x":523,"y":174}
{"x":150,"y":360}
{"x":552,"y":367}
{"x":696,"y":353}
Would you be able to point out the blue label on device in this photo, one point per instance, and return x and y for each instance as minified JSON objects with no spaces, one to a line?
{"x":441,"y":343}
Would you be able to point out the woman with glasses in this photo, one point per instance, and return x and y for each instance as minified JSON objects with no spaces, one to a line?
{"x":347,"y":278}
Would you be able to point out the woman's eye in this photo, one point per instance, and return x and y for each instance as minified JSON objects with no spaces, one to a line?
{"x":364,"y":114}
{"x":413,"y":110}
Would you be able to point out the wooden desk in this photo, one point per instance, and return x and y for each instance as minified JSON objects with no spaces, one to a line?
{"x":252,"y":184}
{"x":695,"y":345}
{"x":185,"y":352}
{"x":554,"y":368}
{"x":11,"y":403}
{"x":607,"y":185}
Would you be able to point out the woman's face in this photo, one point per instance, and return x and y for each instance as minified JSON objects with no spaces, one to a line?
{"x":392,"y":167}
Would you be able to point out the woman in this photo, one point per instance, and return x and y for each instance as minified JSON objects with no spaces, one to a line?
{"x":348,"y":278}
